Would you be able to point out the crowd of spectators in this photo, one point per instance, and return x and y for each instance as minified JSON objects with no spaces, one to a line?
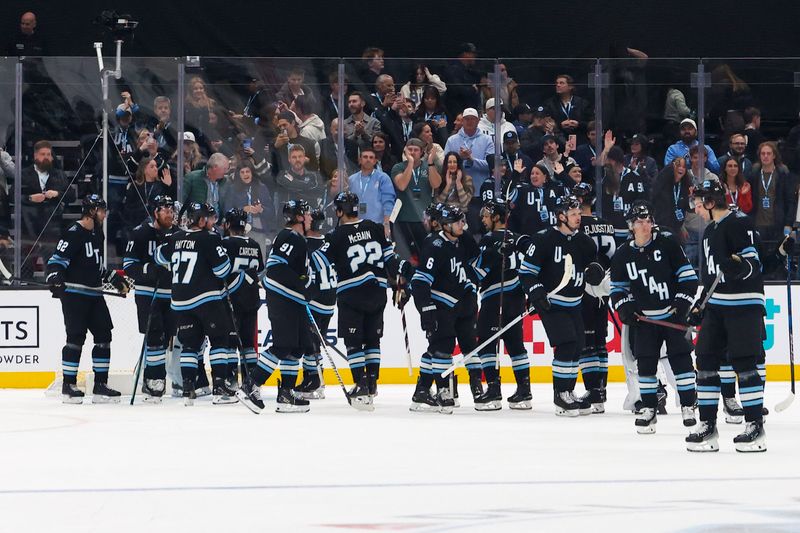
{"x":426,"y":137}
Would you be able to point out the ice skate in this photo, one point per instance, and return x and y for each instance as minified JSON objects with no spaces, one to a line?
{"x":491,"y":400}
{"x":177,"y":390}
{"x":734,"y":414}
{"x":189,"y":394}
{"x":153,"y":390}
{"x":596,"y":400}
{"x":661,"y":394}
{"x":584,"y":407}
{"x":360,"y":397}
{"x":289,"y":403}
{"x":704,"y":439}
{"x":249,"y":395}
{"x":223,"y":394}
{"x":311,"y":388}
{"x":423,"y":402}
{"x":200,"y":392}
{"x":475,"y":385}
{"x":70,"y":393}
{"x":646,"y":421}
{"x":446,"y":401}
{"x":565,"y":404}
{"x":102,"y":393}
{"x":522,"y":398}
{"x":688,"y":414}
{"x":753,"y":439}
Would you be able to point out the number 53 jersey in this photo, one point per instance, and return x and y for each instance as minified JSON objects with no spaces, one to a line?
{"x":199,"y":263}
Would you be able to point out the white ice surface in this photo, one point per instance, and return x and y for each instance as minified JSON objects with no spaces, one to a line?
{"x":167,"y":468}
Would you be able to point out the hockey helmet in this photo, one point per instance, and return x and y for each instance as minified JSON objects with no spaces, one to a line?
{"x":163,"y":201}
{"x":236,"y":218}
{"x":92,"y":201}
{"x":711,"y":191}
{"x":585,"y":192}
{"x":295,"y":208}
{"x":434,"y":211}
{"x":565,"y":203}
{"x":347,"y":203}
{"x":497,"y":206}
{"x":450,"y":214}
{"x":195,"y":211}
{"x":317,"y":218}
{"x":641,"y":210}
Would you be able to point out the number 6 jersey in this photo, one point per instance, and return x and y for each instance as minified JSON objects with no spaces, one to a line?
{"x":198,"y":263}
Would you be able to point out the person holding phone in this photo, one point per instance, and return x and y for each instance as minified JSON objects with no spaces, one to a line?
{"x":255,"y":199}
{"x":555,"y":161}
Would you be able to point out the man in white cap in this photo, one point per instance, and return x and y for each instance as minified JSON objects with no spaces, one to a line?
{"x":486,"y":124}
{"x":689,"y":139}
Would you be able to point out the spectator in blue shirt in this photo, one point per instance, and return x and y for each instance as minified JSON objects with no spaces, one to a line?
{"x":375,"y":190}
{"x":689,"y":139}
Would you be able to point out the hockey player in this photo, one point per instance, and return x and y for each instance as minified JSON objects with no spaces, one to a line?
{"x":199,"y":265}
{"x":363,"y":260}
{"x":243,"y":288}
{"x":732,"y":321}
{"x":322,"y":302}
{"x":286,"y":281}
{"x":651,"y":278}
{"x":540,"y":272}
{"x":496,"y":268}
{"x":594,"y":358}
{"x":441,"y":289}
{"x":153,"y":290}
{"x":78,"y":261}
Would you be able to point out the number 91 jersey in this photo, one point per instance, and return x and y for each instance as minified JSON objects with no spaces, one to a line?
{"x":199,"y":264}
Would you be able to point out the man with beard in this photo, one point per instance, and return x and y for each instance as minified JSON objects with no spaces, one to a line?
{"x":689,"y":139}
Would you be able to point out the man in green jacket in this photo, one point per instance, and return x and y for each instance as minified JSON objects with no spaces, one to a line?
{"x":206,"y":185}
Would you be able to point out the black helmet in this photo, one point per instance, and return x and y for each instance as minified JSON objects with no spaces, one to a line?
{"x":317,"y":218}
{"x":585,"y":192}
{"x":497,"y":206}
{"x":294,"y":208}
{"x":711,"y":191}
{"x":641,"y":209}
{"x":236,"y":218}
{"x":92,"y":201}
{"x":434,"y":211}
{"x":450,"y":214}
{"x":195,"y":211}
{"x":347,"y":203}
{"x":163,"y":201}
{"x":565,"y":203}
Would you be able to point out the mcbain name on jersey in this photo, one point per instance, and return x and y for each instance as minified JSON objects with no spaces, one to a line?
{"x":359,"y":236}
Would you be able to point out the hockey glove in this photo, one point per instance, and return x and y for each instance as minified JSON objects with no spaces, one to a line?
{"x":681,"y":309}
{"x":537,"y":300}
{"x":734,"y":268}
{"x":400,"y":296}
{"x":427,"y":318}
{"x":695,"y":317}
{"x":55,"y":283}
{"x":119,"y":282}
{"x":594,"y":274}
{"x":406,"y":269}
{"x":627,"y":313}
{"x":787,"y":246}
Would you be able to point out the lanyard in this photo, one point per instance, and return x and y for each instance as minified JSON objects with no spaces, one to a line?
{"x":415,"y":174}
{"x":333,"y":102}
{"x":365,"y":187}
{"x":567,"y":108}
{"x":734,"y":195}
{"x":407,"y":129}
{"x":594,"y":152}
{"x":676,"y":193}
{"x":766,"y":186}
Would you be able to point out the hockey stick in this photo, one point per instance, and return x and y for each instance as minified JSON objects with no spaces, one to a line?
{"x":501,"y":344}
{"x":328,"y":355}
{"x":613,"y":318}
{"x":141,"y":362}
{"x":663,"y":323}
{"x":782,"y":406}
{"x":9,"y":277}
{"x":398,"y":204}
{"x":242,"y":360}
{"x":462,"y":358}
{"x":702,"y":306}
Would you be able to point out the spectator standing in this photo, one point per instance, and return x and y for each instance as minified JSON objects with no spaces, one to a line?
{"x":522,"y":117}
{"x":27,"y":41}
{"x":421,"y":78}
{"x":670,"y":197}
{"x":385,"y":159}
{"x":164,"y":131}
{"x":424,"y":132}
{"x":516,"y":161}
{"x":309,"y":125}
{"x":207,"y":184}
{"x":737,"y":144}
{"x":387,"y":106}
{"x":293,"y":87}
{"x":531,"y":139}
{"x":570,"y":112}
{"x":737,"y":189}
{"x":486,"y":124}
{"x":286,"y":139}
{"x":198,"y":110}
{"x":375,"y":191}
{"x":688,"y":132}
{"x":639,"y":159}
{"x":142,"y":191}
{"x":675,"y":112}
{"x":329,"y":152}
{"x":433,"y":112}
{"x":414,"y":179}
{"x":456,"y":187}
{"x":774,"y":195}
{"x":373,"y":63}
{"x":586,"y":154}
{"x":752,"y":130}
{"x":552,"y":159}
{"x":462,"y":81}
{"x":330,"y":103}
{"x":297,"y":181}
{"x":247,"y":193}
{"x":359,"y":126}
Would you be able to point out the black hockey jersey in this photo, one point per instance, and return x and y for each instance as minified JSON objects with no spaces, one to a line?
{"x":79,"y":258}
{"x":441,"y":277}
{"x":362,"y":258}
{"x":247,"y":262}
{"x":322,"y":293}
{"x":487,"y":192}
{"x":287,"y":266}
{"x":199,"y":264}
{"x":140,"y":265}
{"x":543,"y":264}
{"x":722,"y":239}
{"x":488,"y":266}
{"x":604,"y":237}
{"x":652,"y":277}
{"x":533,"y":208}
